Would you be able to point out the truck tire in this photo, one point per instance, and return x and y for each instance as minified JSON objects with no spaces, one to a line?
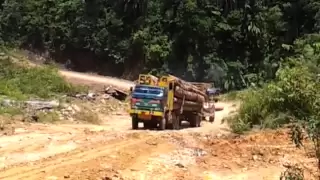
{"x":135,"y":123}
{"x":195,"y":121}
{"x":192,"y":121}
{"x":198,"y":121}
{"x":146,"y":125}
{"x":211,"y":119}
{"x":154,"y":124}
{"x":176,"y":123}
{"x":150,"y":124}
{"x":162,"y":124}
{"x":169,"y":126}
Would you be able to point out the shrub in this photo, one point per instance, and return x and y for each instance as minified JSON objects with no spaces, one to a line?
{"x":293,"y":95}
{"x":23,"y":82}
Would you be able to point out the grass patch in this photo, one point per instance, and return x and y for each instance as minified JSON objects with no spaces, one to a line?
{"x":48,"y":117}
{"x":294,"y":95}
{"x":10,"y":110}
{"x":87,"y":116}
{"x":19,"y":82}
{"x":23,"y":82}
{"x":235,"y":95}
{"x":4,"y":122}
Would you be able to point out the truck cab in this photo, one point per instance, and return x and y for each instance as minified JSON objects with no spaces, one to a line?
{"x":147,"y":105}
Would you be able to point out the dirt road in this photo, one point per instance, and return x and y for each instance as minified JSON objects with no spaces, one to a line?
{"x":91,"y":80}
{"x":112,"y":149}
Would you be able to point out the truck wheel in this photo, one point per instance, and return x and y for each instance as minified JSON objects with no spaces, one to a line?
{"x":162,"y":124}
{"x":198,"y":121}
{"x":176,"y":124}
{"x":147,"y":125}
{"x":153,"y":124}
{"x":211,"y":119}
{"x":193,"y":122}
{"x":135,"y":123}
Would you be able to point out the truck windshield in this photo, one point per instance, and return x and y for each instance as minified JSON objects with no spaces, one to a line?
{"x":141,"y":91}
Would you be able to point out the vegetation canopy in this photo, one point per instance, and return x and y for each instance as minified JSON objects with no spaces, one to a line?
{"x":236,"y":44}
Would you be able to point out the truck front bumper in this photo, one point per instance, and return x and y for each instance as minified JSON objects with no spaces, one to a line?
{"x":145,"y":115}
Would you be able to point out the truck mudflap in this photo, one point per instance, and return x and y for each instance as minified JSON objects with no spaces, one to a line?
{"x":145,"y":115}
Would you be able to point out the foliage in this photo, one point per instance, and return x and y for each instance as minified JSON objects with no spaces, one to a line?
{"x":236,"y":44}
{"x":235,"y":95}
{"x":47,"y":117}
{"x":293,"y":96}
{"x":292,"y":173}
{"x":20,"y":82}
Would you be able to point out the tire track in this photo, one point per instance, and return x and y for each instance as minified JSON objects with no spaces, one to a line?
{"x":70,"y":158}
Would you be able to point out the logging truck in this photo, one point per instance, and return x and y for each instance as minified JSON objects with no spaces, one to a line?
{"x":167,"y":104}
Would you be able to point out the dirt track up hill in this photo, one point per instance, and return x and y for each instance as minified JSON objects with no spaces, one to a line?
{"x":96,"y":80}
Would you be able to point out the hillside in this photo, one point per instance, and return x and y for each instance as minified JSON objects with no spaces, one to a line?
{"x":233,"y":43}
{"x":46,"y":94}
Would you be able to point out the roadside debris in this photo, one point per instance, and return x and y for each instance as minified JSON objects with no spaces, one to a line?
{"x":34,"y":104}
{"x":116,"y":93}
{"x":105,"y":94}
{"x":69,"y":107}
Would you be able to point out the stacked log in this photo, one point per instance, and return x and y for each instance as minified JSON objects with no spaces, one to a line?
{"x":187,"y":105}
{"x":188,"y":91}
{"x":202,"y":86}
{"x":189,"y":95}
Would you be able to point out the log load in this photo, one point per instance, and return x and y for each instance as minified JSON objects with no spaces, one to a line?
{"x":202,"y":86}
{"x":187,"y":90}
{"x":189,"y":96}
{"x":188,"y":105}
